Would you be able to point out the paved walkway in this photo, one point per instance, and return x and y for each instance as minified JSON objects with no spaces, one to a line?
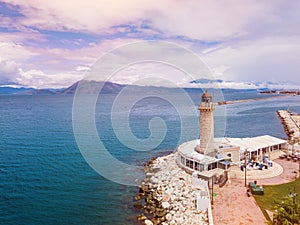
{"x":233,"y":206}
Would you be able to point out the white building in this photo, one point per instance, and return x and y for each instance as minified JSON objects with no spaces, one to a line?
{"x":255,"y":146}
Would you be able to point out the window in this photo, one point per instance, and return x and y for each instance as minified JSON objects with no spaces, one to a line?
{"x":199,"y":166}
{"x":196,"y":166}
{"x":189,"y":163}
{"x":212,"y":166}
{"x":182,"y":160}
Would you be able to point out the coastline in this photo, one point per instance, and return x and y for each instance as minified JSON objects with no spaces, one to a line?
{"x":169,"y":196}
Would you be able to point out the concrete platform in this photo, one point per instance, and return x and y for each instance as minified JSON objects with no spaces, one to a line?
{"x":256,"y":174}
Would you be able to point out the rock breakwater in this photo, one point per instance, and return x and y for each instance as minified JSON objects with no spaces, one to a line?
{"x":290,"y":124}
{"x":167,"y":195}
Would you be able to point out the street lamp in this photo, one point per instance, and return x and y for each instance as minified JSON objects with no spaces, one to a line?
{"x":245,"y":155}
{"x":212,"y":192}
{"x":211,"y":188}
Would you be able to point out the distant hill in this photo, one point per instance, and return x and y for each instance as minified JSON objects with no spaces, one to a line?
{"x":89,"y":87}
{"x":93,"y":87}
{"x":12,"y":90}
{"x":38,"y":92}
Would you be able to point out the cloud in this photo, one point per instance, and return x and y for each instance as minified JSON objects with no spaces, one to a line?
{"x":14,"y":51}
{"x":39,"y":79}
{"x":239,"y":40}
{"x":245,"y":85}
{"x":83,"y":68}
{"x":8,"y":70}
{"x":151,"y":74}
{"x":15,"y":68}
{"x":43,"y":67}
{"x":7,"y":66}
{"x":195,"y":19}
{"x":11,"y":74}
{"x":212,"y":20}
{"x":268,"y":59}
{"x":91,"y":15}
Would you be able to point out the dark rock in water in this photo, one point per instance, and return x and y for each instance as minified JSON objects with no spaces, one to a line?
{"x":133,"y":220}
{"x":159,"y":213}
{"x":149,"y":209}
{"x":141,"y":217}
{"x":138,"y":206}
{"x":144,"y":188}
{"x":139,"y":196}
{"x":159,"y":220}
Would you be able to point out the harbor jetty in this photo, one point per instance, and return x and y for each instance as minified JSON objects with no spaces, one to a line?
{"x":291,"y":124}
{"x":168,"y":196}
{"x":285,"y":92}
{"x":251,"y":100}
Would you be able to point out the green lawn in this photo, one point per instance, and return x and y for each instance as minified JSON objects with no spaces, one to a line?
{"x":277,"y":193}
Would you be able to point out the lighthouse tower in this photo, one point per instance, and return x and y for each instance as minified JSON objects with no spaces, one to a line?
{"x":206,"y":125}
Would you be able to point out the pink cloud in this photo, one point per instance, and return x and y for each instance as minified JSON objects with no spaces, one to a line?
{"x":200,"y":19}
{"x":245,"y":29}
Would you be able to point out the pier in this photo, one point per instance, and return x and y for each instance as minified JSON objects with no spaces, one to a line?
{"x":250,"y":100}
{"x":291,"y":124}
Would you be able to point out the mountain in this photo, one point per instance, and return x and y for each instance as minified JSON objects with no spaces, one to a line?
{"x":71,"y":89}
{"x":92,"y":87}
{"x":38,"y":92}
{"x":89,"y":87}
{"x":12,"y":90}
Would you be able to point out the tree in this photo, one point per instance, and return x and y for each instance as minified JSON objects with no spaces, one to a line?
{"x":287,"y":212}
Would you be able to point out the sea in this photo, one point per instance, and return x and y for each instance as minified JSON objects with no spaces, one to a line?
{"x":44,"y":178}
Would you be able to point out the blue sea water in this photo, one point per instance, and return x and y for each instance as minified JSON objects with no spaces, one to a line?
{"x":45,"y":180}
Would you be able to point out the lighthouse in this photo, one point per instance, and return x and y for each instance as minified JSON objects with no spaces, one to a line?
{"x":209,"y":153}
{"x":206,"y":109}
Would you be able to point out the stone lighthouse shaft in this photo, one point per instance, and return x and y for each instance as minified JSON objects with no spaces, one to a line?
{"x":206,"y":125}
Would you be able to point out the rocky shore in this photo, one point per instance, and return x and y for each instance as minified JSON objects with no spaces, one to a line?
{"x":167,"y":195}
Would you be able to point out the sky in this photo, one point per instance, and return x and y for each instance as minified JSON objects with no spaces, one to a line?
{"x":52,"y":44}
